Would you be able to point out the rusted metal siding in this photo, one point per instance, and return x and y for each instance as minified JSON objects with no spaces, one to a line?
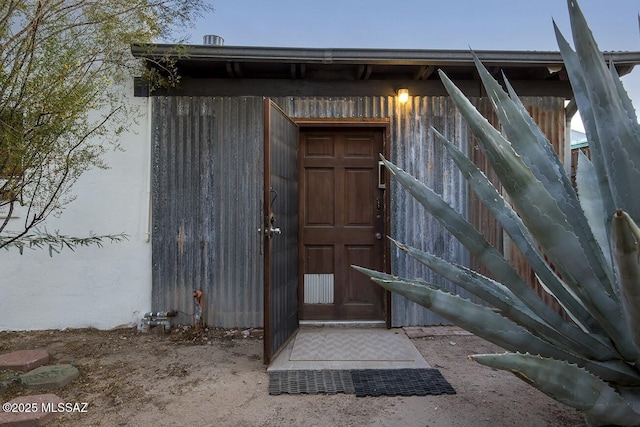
{"x":219,"y":202}
{"x":207,"y":202}
{"x":416,"y":150}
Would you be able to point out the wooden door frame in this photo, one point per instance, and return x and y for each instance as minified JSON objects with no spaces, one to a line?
{"x":383,"y":124}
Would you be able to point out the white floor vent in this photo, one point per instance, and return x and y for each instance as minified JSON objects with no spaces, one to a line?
{"x":318,"y":288}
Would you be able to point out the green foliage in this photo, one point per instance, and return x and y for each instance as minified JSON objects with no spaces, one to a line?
{"x":582,"y":246}
{"x":56,"y":242}
{"x":64,"y":67}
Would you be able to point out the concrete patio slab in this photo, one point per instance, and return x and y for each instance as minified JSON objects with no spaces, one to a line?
{"x":24,"y":360}
{"x":348,"y":348}
{"x":29,"y":411}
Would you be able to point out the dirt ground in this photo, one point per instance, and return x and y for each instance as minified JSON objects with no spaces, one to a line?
{"x":216,"y":377}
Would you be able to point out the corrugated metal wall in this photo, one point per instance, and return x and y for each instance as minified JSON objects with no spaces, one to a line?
{"x":233,"y":137}
{"x":207,"y":203}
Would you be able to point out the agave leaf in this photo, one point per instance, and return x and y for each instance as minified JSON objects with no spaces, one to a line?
{"x":591,"y":202}
{"x":581,"y":93}
{"x":561,"y":333}
{"x":625,"y":236}
{"x":491,"y":291}
{"x":457,"y":225}
{"x":485,"y":323}
{"x":620,"y":139}
{"x":627,"y":104}
{"x":529,"y":142}
{"x":479,"y":320}
{"x":513,"y":226}
{"x":474,"y":242}
{"x":532,"y":144}
{"x":566,"y":383}
{"x":546,"y":222}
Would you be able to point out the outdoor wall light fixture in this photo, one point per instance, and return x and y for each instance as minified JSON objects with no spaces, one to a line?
{"x":403,"y":95}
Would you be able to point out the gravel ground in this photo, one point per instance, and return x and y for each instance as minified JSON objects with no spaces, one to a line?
{"x":216,"y":377}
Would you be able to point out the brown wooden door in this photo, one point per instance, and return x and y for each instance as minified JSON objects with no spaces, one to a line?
{"x":342,"y":224}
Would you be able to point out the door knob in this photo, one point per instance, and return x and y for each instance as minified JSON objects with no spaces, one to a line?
{"x":270,"y":232}
{"x":379,"y":236}
{"x":269,"y":229}
{"x":274,"y":230}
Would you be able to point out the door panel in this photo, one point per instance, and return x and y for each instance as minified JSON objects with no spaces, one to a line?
{"x":342,"y":224}
{"x":319,"y":146}
{"x":356,"y":199}
{"x":320,"y":259}
{"x":319,"y":185}
{"x":359,"y":147}
{"x":357,"y":290}
{"x":280,"y":229}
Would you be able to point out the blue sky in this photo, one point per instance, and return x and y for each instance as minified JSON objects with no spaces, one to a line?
{"x":413,"y":24}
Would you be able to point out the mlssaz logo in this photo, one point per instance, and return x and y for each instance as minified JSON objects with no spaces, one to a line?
{"x":81,"y":407}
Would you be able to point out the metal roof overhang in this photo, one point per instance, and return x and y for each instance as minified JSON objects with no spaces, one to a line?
{"x":279,"y":71}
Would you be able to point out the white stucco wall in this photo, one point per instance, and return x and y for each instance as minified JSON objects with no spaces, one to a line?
{"x":91,"y":287}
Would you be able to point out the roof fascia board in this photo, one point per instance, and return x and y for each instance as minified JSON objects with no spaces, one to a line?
{"x":358,"y":56}
{"x":305,"y":88}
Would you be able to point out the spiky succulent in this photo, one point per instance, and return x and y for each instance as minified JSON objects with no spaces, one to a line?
{"x":583,"y":247}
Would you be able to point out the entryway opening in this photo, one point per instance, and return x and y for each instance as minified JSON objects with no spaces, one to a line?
{"x":326,"y":208}
{"x":343,"y":221}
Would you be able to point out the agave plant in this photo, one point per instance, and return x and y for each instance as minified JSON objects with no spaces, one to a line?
{"x":582,"y":246}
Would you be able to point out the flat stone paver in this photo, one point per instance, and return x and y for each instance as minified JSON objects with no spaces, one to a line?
{"x":51,"y":376}
{"x":24,"y":360}
{"x":27,"y":411}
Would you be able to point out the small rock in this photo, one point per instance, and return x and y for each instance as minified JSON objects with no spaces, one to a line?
{"x":256,"y":333}
{"x":452,"y":343}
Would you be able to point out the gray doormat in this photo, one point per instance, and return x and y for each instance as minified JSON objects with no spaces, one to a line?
{"x":361,"y":382}
{"x":399,"y":382}
{"x":310,"y":382}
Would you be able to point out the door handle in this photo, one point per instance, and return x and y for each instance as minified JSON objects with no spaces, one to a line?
{"x":269,"y":230}
{"x":273,"y":231}
{"x":381,"y":183}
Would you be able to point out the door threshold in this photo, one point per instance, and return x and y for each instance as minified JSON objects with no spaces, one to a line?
{"x":343,"y":324}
